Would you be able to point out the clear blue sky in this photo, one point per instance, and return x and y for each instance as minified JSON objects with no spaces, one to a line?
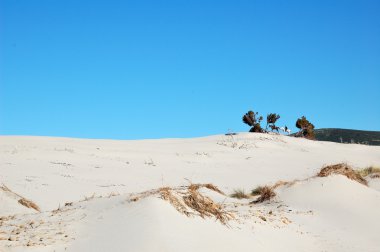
{"x":153,"y":69}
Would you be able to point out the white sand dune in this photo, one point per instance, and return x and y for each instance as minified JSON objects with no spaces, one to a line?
{"x":316,"y":214}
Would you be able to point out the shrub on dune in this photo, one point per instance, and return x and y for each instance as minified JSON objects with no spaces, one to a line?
{"x":266,"y":193}
{"x":342,"y":169}
{"x":306,"y":128}
{"x":256,"y":191}
{"x":239,"y":194}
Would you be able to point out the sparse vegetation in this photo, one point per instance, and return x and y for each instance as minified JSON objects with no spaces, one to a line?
{"x":205,"y":206}
{"x":271,"y":120}
{"x":257,"y":128}
{"x":166,"y":194}
{"x":284,"y":183}
{"x":372,"y":171}
{"x":266,"y":193}
{"x":256,"y":191}
{"x":29,"y":204}
{"x":249,"y":118}
{"x":21,"y":200}
{"x":208,"y":186}
{"x":189,"y":201}
{"x":239,"y":194}
{"x":348,"y":136}
{"x":342,"y":169}
{"x":253,"y":119}
{"x":306,"y":128}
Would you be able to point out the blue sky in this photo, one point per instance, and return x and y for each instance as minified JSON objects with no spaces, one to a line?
{"x":154,"y":69}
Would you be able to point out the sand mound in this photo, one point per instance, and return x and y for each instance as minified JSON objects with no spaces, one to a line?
{"x":342,"y":169}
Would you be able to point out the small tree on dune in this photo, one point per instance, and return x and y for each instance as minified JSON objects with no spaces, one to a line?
{"x":253,"y":119}
{"x":306,"y":128}
{"x":271,"y":120}
{"x":257,"y":128}
{"x":249,"y":118}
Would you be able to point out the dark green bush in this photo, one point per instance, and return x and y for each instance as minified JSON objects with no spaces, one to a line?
{"x":306,"y":128}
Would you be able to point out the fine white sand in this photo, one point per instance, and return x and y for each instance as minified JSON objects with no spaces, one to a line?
{"x":96,"y":179}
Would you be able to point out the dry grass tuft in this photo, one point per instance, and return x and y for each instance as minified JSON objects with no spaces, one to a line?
{"x":239,"y":194}
{"x":342,"y":169}
{"x":194,"y":186}
{"x":208,"y":186}
{"x":256,"y":191}
{"x":29,"y":204}
{"x":213,"y":188}
{"x":189,"y":201}
{"x":25,"y":202}
{"x":205,"y":206}
{"x":266,"y":193}
{"x":373,"y":171}
{"x":284,"y":183}
{"x":166,"y":194}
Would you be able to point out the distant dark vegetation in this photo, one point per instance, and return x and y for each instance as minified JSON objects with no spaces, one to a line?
{"x":307,"y":130}
{"x":348,"y":136}
{"x":253,"y":119}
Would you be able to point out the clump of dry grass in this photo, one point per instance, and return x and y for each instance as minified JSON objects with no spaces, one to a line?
{"x":21,"y":200}
{"x":213,"y":188}
{"x":208,"y":186}
{"x":256,"y":191}
{"x":166,"y":194}
{"x":29,"y":204}
{"x":205,"y":206}
{"x":342,"y":169}
{"x":266,"y":193}
{"x":284,"y":183}
{"x":239,"y":194}
{"x":374,"y":172}
{"x":189,"y":201}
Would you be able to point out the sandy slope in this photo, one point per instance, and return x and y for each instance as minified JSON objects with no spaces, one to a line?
{"x":317,"y":214}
